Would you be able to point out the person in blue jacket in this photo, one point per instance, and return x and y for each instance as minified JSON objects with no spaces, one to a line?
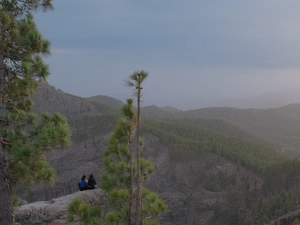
{"x":83,"y":183}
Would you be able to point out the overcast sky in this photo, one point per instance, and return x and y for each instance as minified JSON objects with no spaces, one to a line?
{"x":202,"y":50}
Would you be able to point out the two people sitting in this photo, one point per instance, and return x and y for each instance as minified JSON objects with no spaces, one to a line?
{"x":86,"y":184}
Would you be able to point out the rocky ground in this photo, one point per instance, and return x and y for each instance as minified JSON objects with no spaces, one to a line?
{"x":54,"y":211}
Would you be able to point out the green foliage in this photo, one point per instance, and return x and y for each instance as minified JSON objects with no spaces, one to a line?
{"x":219,"y":126}
{"x":22,"y":46}
{"x":15,"y":202}
{"x":136,"y":80}
{"x":28,"y":163}
{"x":121,"y":170}
{"x":217,"y":209}
{"x":265,"y":218}
{"x":117,"y":178}
{"x":22,"y":69}
{"x":152,"y":205}
{"x":234,"y":218}
{"x":185,"y":142}
{"x":276,"y":206}
{"x":114,"y":218}
{"x":83,"y":212}
{"x":195,"y":141}
{"x":73,"y":208}
{"x":296,"y":222}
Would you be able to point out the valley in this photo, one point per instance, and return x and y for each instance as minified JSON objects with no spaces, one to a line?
{"x":212,"y":165}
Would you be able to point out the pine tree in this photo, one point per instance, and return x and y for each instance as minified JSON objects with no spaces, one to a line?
{"x":136,"y":80}
{"x":121,"y":172}
{"x":217,"y":209}
{"x":22,"y":158}
{"x":84,"y":212}
{"x":118,"y":178}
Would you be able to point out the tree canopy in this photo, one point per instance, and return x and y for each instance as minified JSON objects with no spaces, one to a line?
{"x":22,"y":69}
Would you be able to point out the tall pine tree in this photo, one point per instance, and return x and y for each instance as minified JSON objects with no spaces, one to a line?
{"x":22,"y":47}
{"x":118,"y":178}
{"x":136,"y":80}
{"x":122,"y":178}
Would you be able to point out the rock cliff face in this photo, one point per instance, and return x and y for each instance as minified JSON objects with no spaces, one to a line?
{"x":54,"y":211}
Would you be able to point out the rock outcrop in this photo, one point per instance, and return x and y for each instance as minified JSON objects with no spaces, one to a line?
{"x":54,"y":212}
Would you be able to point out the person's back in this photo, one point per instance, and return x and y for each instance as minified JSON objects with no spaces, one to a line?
{"x":92,"y":182}
{"x":82,"y":184}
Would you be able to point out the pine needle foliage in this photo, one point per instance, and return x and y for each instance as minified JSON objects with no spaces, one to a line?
{"x":117,"y":179}
{"x":22,"y":69}
{"x":84,"y":213}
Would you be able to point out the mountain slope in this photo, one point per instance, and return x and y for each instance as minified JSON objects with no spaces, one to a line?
{"x":200,"y":161}
{"x":113,"y":102}
{"x":49,"y":99}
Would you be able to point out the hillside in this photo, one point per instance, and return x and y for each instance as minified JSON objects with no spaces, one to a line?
{"x":208,"y":170}
{"x":106,"y":100}
{"x":49,"y":99}
{"x":278,"y":126}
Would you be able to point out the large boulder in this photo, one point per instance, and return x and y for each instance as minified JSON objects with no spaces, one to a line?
{"x":54,"y":212}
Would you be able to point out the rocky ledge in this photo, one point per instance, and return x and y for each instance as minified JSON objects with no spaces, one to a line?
{"x":54,"y":212}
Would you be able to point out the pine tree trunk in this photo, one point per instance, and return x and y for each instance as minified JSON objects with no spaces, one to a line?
{"x":138,"y":156}
{"x":6,"y":210}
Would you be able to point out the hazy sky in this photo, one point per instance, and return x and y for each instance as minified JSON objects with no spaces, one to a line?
{"x":194,"y":49}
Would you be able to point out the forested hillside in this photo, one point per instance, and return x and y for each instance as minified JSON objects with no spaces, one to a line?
{"x":278,"y":126}
{"x":212,"y":165}
{"x":106,"y":100}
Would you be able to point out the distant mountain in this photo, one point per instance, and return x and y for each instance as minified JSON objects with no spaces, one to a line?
{"x":169,"y":109}
{"x":264,"y":101}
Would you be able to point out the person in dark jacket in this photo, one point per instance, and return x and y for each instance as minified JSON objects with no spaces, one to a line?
{"x":91,"y":182}
{"x":83,"y":183}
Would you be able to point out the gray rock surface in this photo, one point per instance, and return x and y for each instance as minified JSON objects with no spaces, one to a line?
{"x":54,"y":212}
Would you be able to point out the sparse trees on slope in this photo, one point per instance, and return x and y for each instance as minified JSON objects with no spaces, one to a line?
{"x":21,"y":69}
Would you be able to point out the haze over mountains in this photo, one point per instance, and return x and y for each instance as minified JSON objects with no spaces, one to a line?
{"x":271,"y":99}
{"x":267,"y":100}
